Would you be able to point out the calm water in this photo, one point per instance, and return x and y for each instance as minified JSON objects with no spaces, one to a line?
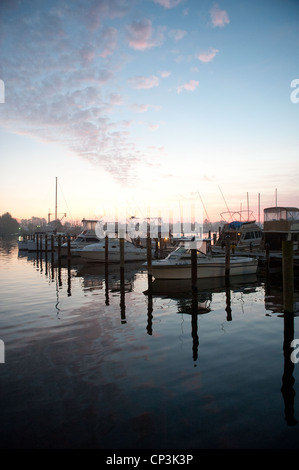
{"x":88,"y":365}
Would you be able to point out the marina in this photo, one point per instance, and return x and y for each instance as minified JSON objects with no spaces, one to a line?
{"x":100,"y":357}
{"x":149,"y":227}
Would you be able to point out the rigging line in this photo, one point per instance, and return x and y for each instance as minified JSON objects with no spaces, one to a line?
{"x":225,"y":202}
{"x":46,"y":198}
{"x":65,"y":201}
{"x":204,"y":207}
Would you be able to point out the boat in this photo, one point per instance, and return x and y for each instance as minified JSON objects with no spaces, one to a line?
{"x":177,"y":265}
{"x":96,"y":251}
{"x":51,"y":229}
{"x":281,"y":224}
{"x":87,"y":236}
{"x":243,"y":234}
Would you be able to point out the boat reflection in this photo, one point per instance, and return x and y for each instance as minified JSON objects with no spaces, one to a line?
{"x":195,"y":302}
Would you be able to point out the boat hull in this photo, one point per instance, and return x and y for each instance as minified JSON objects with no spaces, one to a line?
{"x":99,"y":256}
{"x":207,"y":269}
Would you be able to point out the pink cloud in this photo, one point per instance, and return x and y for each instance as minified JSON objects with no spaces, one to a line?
{"x":190,"y":86}
{"x":141,"y":35}
{"x":108,"y":41}
{"x":219,"y":17}
{"x":177,"y":34}
{"x":165,"y":74}
{"x":153,"y":127}
{"x":207,"y":56}
{"x":116,"y":99}
{"x":102,"y":10}
{"x":140,"y":108}
{"x":144,"y":82}
{"x":168,"y":3}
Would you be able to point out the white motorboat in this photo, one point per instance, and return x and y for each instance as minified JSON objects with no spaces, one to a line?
{"x":177,"y":265}
{"x":244,"y":234}
{"x":96,"y":252}
{"x":86,"y":237}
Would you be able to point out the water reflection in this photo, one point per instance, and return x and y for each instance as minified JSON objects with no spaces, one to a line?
{"x":288,"y":381}
{"x":110,"y":280}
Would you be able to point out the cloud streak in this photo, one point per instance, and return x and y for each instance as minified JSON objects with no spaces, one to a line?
{"x":219,"y":17}
{"x":190,"y":86}
{"x":208,"y":55}
{"x":141,"y":82}
{"x":141,"y":35}
{"x":59,"y":66}
{"x":168,"y":4}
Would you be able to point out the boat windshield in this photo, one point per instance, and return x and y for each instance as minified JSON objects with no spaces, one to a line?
{"x":179,"y":252}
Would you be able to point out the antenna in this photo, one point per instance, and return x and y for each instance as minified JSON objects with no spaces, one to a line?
{"x":56,"y":200}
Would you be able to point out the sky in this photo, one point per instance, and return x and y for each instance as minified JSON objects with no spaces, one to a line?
{"x":142,"y":106}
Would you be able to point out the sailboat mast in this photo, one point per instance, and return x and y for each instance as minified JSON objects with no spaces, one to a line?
{"x":56,"y":199}
{"x":247,"y":207}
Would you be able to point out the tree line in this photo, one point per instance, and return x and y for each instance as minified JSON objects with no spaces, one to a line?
{"x":8,"y":225}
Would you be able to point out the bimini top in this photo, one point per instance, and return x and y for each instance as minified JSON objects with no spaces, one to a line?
{"x":281,"y":213}
{"x":235,"y":224}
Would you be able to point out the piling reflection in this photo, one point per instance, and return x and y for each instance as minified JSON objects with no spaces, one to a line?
{"x":288,"y":380}
{"x":195,"y":303}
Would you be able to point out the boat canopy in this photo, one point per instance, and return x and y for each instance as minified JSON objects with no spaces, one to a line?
{"x":235,"y":225}
{"x":281,"y":213}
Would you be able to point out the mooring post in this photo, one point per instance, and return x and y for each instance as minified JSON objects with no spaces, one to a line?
{"x":106,"y":249}
{"x":59,"y":247}
{"x":106,"y":271}
{"x":288,"y":380}
{"x":37,"y":243}
{"x":46,"y":244}
{"x":288,"y":276}
{"x":227,"y":256}
{"x":68,"y":247}
{"x":194,"y":268}
{"x":122,"y":258}
{"x":122,"y":279}
{"x":149,"y":252}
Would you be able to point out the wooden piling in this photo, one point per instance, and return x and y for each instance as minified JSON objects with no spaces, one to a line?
{"x":288,"y":276}
{"x":106,"y":249}
{"x":37,"y":242}
{"x":122,"y":280}
{"x":194,"y":268}
{"x":59,"y":247}
{"x":149,"y":252}
{"x":46,"y":245}
{"x":227,"y":256}
{"x":68,"y":247}
{"x":122,"y":258}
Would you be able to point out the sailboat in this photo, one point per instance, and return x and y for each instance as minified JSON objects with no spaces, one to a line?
{"x":50,"y":229}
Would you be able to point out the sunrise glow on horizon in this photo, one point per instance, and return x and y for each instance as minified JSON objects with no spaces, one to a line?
{"x":144,"y":105}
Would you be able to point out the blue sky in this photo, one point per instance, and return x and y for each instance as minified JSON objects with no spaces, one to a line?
{"x":145,"y":104}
